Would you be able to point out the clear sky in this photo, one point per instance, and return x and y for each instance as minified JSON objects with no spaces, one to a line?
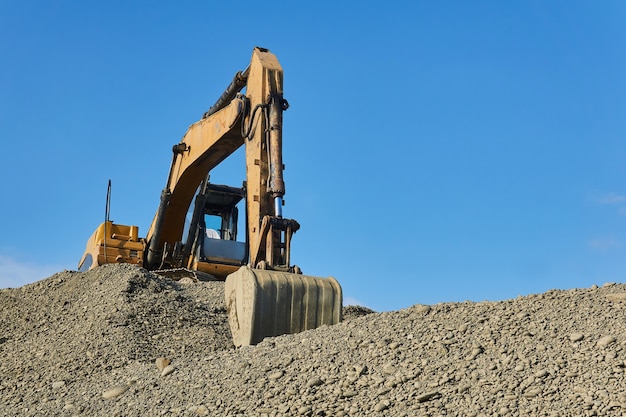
{"x":435,"y":151}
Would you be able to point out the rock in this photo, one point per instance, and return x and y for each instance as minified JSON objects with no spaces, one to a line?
{"x":382,"y":405}
{"x":576,"y":337}
{"x":617,"y":297}
{"x":115,"y":391}
{"x":475,"y":352}
{"x":348,"y":393}
{"x":422,"y":308}
{"x":532,"y":393}
{"x":314,"y":382}
{"x":389,"y":369}
{"x":276,"y":375}
{"x":167,"y":370}
{"x":427,"y":396}
{"x":162,"y":363}
{"x":58,"y":384}
{"x":606,"y":340}
{"x":615,"y":404}
{"x":360,"y":369}
{"x":368,"y":365}
{"x":202,"y":410}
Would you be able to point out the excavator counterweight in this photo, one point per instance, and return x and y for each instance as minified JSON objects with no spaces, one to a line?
{"x":195,"y":228}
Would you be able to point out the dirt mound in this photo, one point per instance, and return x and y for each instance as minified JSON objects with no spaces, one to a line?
{"x":88,"y":343}
{"x":352,"y":312}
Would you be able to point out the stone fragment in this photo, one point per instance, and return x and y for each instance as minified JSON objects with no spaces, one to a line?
{"x":115,"y":391}
{"x":389,"y":369}
{"x":422,"y":308}
{"x":532,"y":393}
{"x":615,"y":404}
{"x":167,"y":370}
{"x":314,"y":382}
{"x":576,"y":337}
{"x":161,"y":363}
{"x":377,"y":379}
{"x":606,"y":340}
{"x":427,"y":397}
{"x":382,"y":405}
{"x":360,"y":369}
{"x":276,"y":375}
{"x":617,"y":297}
{"x":475,"y":352}
{"x":441,"y":349}
{"x":58,"y":384}
{"x":383,"y":342}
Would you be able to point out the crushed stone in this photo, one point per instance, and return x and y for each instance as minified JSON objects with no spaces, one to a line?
{"x":122,"y":341}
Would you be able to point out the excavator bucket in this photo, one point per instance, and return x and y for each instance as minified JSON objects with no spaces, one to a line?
{"x":265,"y":303}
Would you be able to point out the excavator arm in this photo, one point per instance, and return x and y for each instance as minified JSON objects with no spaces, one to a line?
{"x":253,"y":119}
{"x":206,"y":143}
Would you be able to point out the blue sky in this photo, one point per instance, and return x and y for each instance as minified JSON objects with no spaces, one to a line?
{"x":434,"y":151}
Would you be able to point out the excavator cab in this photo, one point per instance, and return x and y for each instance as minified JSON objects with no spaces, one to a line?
{"x":220,"y":244}
{"x":214,"y":240}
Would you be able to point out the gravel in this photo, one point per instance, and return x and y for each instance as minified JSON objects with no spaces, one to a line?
{"x":121,"y":341}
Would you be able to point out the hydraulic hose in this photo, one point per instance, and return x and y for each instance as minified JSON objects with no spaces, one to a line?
{"x":235,"y":86}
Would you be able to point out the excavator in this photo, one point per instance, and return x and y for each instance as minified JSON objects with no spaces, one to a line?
{"x":195,"y":228}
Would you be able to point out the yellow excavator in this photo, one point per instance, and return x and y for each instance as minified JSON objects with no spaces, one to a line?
{"x":265,"y":294}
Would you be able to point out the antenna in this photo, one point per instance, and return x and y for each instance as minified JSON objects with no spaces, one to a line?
{"x":107,"y":212}
{"x":108,"y":206}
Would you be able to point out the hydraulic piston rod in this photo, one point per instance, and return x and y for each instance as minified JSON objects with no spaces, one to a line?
{"x":276,"y":182}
